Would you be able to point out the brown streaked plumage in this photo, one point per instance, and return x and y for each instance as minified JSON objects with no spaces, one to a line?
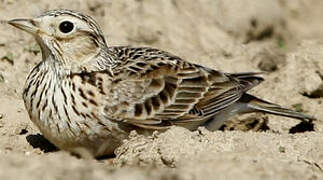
{"x":85,"y":96}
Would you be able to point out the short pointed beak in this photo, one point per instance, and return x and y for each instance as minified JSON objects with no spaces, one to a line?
{"x":27,"y":25}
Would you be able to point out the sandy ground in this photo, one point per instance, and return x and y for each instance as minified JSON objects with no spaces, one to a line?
{"x":281,"y":37}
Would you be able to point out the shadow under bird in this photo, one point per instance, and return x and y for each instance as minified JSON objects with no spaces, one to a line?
{"x":86,"y":96}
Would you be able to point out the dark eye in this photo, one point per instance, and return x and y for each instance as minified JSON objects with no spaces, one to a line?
{"x":66,"y":26}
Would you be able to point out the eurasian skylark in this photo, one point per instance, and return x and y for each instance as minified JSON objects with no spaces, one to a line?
{"x":86,"y":95}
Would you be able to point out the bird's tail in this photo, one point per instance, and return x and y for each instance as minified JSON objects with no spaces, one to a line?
{"x":256,"y":104}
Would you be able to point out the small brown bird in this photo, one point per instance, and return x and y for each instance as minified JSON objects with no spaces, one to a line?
{"x":86,"y":96}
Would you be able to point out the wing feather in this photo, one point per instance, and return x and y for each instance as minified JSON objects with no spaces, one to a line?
{"x":154,"y":89}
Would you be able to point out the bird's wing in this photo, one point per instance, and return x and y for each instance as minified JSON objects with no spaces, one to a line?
{"x":154,"y":89}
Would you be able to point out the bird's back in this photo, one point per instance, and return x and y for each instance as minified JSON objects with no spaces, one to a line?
{"x":172,"y":91}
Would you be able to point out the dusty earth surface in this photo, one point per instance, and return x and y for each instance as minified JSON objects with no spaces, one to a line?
{"x":283,"y":38}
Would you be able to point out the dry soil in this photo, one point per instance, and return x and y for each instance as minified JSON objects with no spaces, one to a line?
{"x":283,"y":38}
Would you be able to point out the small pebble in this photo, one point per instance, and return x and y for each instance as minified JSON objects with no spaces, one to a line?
{"x":282,"y":149}
{"x":298,"y":107}
{"x":9,"y":58}
{"x":1,"y":78}
{"x":23,"y":131}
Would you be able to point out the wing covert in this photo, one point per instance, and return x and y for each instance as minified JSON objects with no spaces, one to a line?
{"x":153,"y":89}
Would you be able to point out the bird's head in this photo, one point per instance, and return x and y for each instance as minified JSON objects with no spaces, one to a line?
{"x":70,"y":37}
